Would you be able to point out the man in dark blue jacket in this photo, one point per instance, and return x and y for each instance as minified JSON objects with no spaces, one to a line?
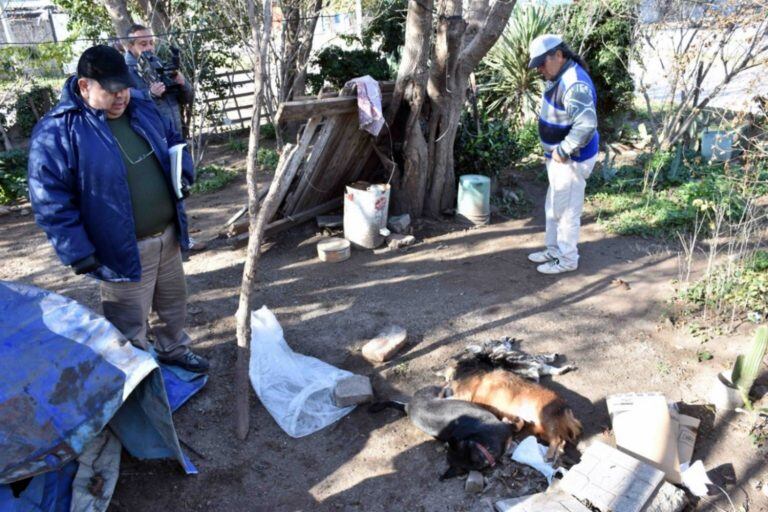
{"x":102,"y":189}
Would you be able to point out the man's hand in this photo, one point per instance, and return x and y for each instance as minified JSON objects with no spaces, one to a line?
{"x":85,"y":265}
{"x":557,"y":158}
{"x":157,"y":89}
{"x":179,"y":78}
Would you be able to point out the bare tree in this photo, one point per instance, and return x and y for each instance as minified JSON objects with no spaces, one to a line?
{"x":431,"y":84}
{"x":260,"y":36}
{"x":698,"y":48}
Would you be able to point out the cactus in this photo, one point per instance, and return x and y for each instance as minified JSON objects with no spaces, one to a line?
{"x":747,"y":366}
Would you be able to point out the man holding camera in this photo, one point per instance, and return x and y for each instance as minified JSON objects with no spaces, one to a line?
{"x":101,"y":188}
{"x":168,"y":96}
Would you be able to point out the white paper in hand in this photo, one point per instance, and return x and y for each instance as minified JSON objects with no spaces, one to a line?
{"x":177,"y":155}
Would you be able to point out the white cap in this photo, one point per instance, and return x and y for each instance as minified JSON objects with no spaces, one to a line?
{"x":540,"y":46}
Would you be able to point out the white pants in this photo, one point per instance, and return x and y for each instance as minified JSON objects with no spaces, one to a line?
{"x":565,"y":201}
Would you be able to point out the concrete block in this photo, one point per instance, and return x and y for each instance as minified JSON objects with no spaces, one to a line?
{"x":474,"y":483}
{"x":395,"y":241}
{"x":384,"y":346}
{"x":399,"y":223}
{"x":352,"y":391}
{"x":668,"y":499}
{"x":612,"y":480}
{"x":551,"y":501}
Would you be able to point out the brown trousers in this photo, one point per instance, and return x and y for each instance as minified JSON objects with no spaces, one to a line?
{"x":162,"y":289}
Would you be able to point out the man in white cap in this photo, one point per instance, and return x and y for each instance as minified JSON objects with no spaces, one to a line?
{"x":568,"y":133}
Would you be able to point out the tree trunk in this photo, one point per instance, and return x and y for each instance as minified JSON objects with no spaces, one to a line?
{"x":119,"y":15}
{"x":157,"y":16}
{"x":435,"y":92}
{"x":410,"y":187}
{"x":258,"y":220}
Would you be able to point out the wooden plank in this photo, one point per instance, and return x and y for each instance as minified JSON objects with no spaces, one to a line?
{"x":311,"y":167}
{"x":349,"y":154}
{"x":285,"y":224}
{"x":300,"y":110}
{"x":287,"y":167}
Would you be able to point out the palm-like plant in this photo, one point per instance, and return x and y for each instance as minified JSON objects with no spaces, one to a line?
{"x":511,"y":88}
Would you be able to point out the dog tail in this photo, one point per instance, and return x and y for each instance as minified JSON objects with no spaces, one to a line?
{"x":387,"y":404}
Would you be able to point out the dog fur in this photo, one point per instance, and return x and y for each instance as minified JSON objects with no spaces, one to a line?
{"x":461,"y":424}
{"x":512,"y":398}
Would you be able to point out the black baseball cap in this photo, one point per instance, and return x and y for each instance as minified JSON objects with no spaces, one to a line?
{"x":105,"y":65}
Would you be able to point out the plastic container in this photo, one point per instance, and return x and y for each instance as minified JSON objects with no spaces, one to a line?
{"x":333,"y":249}
{"x":365,"y":214}
{"x":474,"y":199}
{"x":716,"y":145}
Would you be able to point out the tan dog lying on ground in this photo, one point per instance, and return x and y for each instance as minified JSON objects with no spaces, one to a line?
{"x":513,"y":398}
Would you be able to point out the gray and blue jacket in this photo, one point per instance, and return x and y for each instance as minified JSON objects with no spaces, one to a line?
{"x":168,"y":104}
{"x":568,"y":120}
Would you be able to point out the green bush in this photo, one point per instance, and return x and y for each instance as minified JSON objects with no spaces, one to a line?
{"x":13,"y":175}
{"x":267,"y":131}
{"x":212,"y":177}
{"x":32,"y":105}
{"x":487,"y":152}
{"x":744,"y":288}
{"x":338,"y":66}
{"x":527,"y":140}
{"x":267,"y":158}
{"x":510,"y":88}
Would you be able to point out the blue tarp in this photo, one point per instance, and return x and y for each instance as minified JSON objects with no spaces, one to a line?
{"x":68,"y":373}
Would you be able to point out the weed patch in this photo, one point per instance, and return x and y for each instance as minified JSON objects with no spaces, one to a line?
{"x":740,"y":288}
{"x":212,"y":177}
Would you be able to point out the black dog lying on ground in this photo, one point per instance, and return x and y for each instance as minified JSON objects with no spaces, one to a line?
{"x":475,"y":437}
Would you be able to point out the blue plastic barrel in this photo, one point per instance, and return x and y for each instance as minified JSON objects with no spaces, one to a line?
{"x":474,"y":199}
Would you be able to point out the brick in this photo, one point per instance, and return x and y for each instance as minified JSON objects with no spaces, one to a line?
{"x":551,"y":501}
{"x":612,"y":480}
{"x":352,"y":391}
{"x":384,"y":346}
{"x":474,"y":483}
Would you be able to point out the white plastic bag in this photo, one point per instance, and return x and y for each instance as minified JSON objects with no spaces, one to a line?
{"x":297,"y":390}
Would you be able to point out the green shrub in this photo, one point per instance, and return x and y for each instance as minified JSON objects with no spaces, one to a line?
{"x":527,"y":140}
{"x":510,"y":88}
{"x":743,"y":288}
{"x":13,"y":175}
{"x":338,"y":66}
{"x":32,"y":105}
{"x":212,"y":177}
{"x":487,"y":152}
{"x":267,"y":158}
{"x":267,"y":131}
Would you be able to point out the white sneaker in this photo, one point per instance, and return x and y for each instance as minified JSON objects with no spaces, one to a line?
{"x":555,"y":267}
{"x":541,"y":256}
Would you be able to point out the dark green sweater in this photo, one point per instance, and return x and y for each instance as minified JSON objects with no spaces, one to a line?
{"x":153,"y":208}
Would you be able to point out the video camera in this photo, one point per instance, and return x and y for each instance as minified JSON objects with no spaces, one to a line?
{"x":152,"y":69}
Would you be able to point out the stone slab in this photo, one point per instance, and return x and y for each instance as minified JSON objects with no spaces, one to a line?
{"x":550,"y":501}
{"x":352,"y":390}
{"x":612,"y":480}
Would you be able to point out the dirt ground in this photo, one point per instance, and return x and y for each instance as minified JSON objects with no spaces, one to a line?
{"x":454,"y":287}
